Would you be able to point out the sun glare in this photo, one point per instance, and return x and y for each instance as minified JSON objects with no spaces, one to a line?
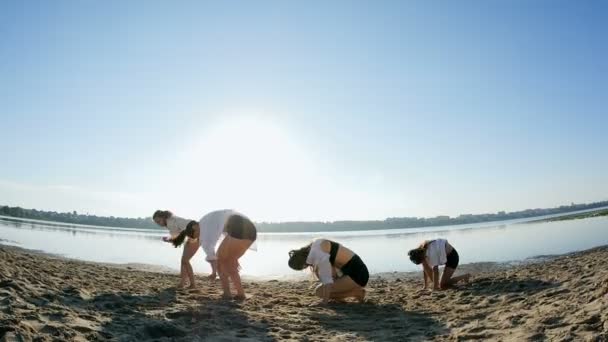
{"x":250,"y":163}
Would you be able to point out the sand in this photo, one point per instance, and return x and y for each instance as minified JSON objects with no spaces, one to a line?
{"x":46,"y":298}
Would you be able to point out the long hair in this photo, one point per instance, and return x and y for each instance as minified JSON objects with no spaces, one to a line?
{"x":297,"y":257}
{"x":417,"y":255}
{"x":165,"y":214}
{"x":189,"y":232}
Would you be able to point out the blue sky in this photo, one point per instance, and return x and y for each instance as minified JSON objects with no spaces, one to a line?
{"x":303,"y":111}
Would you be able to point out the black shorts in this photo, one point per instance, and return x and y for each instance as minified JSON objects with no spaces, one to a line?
{"x":453,"y":259}
{"x":241,"y":228}
{"x":356,"y":270}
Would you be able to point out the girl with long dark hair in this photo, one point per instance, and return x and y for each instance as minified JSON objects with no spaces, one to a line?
{"x":177,"y":225}
{"x":325,"y":257}
{"x":432,"y":254}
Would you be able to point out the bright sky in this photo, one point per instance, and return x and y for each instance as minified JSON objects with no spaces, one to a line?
{"x":303,"y":110}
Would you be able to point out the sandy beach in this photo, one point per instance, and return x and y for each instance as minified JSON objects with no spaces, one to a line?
{"x":46,"y":298}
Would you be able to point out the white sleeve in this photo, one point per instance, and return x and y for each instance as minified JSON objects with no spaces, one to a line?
{"x":320,"y":259}
{"x":441,"y":254}
{"x":172,"y":227}
{"x":209,"y":248}
{"x":325,"y":272}
{"x":211,"y":227}
{"x":431,"y":255}
{"x":173,"y":232}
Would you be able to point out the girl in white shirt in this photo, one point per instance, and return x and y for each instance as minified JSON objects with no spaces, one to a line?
{"x":240,"y":233}
{"x":432,"y":254}
{"x":176,"y":225}
{"x":325,"y":256}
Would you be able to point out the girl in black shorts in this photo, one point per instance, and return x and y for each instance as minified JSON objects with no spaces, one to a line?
{"x":432,"y":254}
{"x":325,"y":256}
{"x":239,"y":235}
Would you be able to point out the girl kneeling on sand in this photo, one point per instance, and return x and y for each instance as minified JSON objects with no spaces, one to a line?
{"x":176,"y":225}
{"x":240,"y":235}
{"x":432,"y":254}
{"x":325,"y":255}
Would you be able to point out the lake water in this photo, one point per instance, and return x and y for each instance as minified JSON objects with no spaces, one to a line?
{"x":382,"y":251}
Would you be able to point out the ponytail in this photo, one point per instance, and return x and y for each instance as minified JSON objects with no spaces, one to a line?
{"x":189,"y":232}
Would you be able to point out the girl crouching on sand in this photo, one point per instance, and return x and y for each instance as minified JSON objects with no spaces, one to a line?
{"x":432,"y":254}
{"x":176,"y":225}
{"x":325,"y":255}
{"x":240,"y":235}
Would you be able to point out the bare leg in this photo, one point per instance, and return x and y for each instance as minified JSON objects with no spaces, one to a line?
{"x":447,"y":280}
{"x":191,"y":276}
{"x":183,"y":276}
{"x":229,"y":252}
{"x":222,"y":268}
{"x":224,"y":279}
{"x":190,"y":248}
{"x":357,"y":293}
{"x":234,"y":275}
{"x":464,"y":277}
{"x":344,"y":287}
{"x":428,"y":278}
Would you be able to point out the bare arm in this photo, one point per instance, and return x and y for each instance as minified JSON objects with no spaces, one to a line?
{"x":436,"y":278}
{"x":427,"y":273}
{"x":325,"y":273}
{"x":425,"y":276}
{"x":326,"y":291}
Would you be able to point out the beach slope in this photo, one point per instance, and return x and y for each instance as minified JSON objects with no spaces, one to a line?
{"x":47,"y":298}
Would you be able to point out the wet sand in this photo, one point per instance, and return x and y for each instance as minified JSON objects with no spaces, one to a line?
{"x":46,"y":298}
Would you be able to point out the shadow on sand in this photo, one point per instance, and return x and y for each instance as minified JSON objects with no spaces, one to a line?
{"x":216,"y":319}
{"x":166,"y":314}
{"x":378,"y":322}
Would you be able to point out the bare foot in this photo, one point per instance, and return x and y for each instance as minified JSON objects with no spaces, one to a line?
{"x":192,"y":287}
{"x":181,"y":285}
{"x":360,"y":296}
{"x":227,"y":296}
{"x":240,"y":297}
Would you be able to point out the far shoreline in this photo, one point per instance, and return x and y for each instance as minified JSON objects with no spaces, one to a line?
{"x":145,"y":224}
{"x":577,"y":214}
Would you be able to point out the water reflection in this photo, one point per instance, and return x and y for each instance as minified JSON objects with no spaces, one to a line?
{"x":75,"y":230}
{"x":383,"y":251}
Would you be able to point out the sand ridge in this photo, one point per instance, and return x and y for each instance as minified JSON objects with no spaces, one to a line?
{"x":44,"y":298}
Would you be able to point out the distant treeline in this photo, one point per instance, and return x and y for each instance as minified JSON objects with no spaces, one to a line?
{"x":389,"y":223}
{"x":76,"y":218}
{"x":414,"y":222}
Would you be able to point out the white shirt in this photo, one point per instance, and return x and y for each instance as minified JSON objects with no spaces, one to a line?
{"x":176,"y":225}
{"x":435,"y":253}
{"x":318,"y":258}
{"x":212,"y":228}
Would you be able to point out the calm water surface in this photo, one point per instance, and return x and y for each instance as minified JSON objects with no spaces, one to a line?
{"x":382,"y":251}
